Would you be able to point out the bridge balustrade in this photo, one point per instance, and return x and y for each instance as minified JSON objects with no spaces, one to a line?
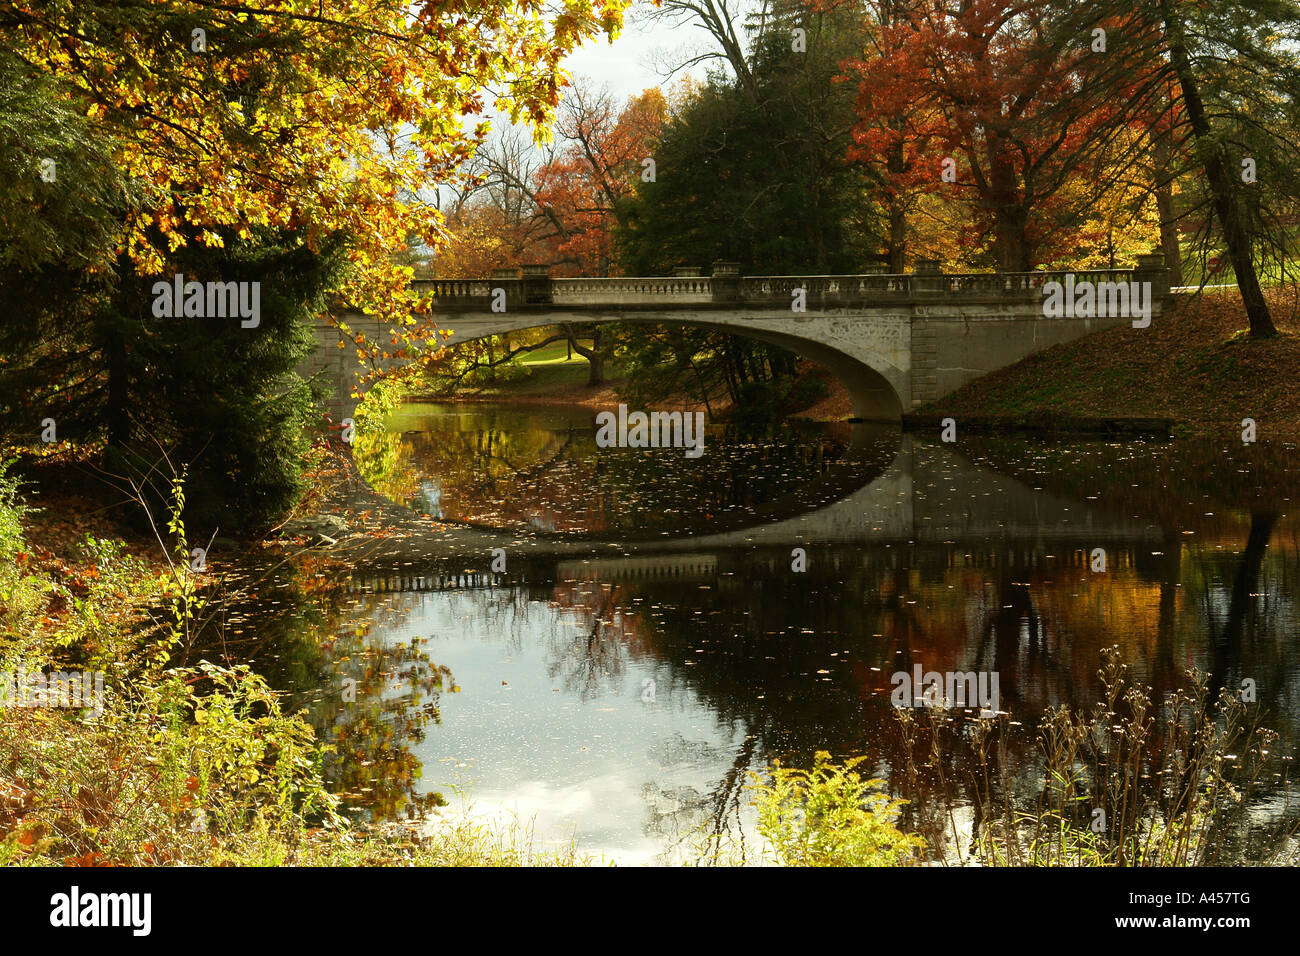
{"x":540,"y":291}
{"x":632,"y":291}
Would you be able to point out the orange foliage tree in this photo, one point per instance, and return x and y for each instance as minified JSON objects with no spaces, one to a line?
{"x":556,"y":207}
{"x":606,"y":152}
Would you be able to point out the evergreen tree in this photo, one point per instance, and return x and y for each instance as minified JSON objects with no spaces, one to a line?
{"x":755,"y":171}
{"x":221,"y":397}
{"x":80,"y":343}
{"x":1237,"y":73}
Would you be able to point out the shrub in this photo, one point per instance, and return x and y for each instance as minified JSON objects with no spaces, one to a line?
{"x":830,"y":816}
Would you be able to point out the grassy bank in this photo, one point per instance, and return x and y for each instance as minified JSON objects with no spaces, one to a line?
{"x":1193,"y":365}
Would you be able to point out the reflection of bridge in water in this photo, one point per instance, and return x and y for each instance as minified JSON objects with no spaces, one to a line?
{"x":928,"y":502}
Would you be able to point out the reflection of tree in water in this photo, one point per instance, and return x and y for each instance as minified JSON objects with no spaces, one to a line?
{"x":589,"y":646}
{"x":506,"y":470}
{"x":703,"y":825}
{"x":588,"y":643}
{"x":753,"y":648}
{"x":298,"y":625}
{"x":504,"y":614}
{"x":396,"y":689}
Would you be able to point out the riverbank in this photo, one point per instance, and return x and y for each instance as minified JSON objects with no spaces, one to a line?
{"x":1194,"y":366}
{"x":110,"y":755}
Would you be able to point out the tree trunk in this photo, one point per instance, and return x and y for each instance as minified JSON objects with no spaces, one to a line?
{"x":897,"y":237}
{"x":1227,"y":645}
{"x":1220,"y":179}
{"x":1169,"y":244}
{"x":1010,"y":238}
{"x":595,"y":359}
{"x":112,"y":339}
{"x":897,"y":216}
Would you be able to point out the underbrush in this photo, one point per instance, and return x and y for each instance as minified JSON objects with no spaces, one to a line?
{"x":1123,"y":783}
{"x":195,"y":766}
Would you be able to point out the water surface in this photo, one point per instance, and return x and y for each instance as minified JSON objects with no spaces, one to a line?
{"x":653,"y":643}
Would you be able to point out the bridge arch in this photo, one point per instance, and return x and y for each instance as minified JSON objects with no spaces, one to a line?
{"x":876,"y":379}
{"x":873,"y":381}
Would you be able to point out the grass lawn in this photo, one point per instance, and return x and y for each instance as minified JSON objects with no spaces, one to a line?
{"x":557,"y":353}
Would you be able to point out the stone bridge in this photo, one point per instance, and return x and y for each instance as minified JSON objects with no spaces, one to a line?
{"x":894,"y":341}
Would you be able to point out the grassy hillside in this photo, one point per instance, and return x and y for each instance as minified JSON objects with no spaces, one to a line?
{"x":1194,"y":365}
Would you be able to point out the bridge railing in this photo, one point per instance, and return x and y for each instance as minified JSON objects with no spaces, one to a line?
{"x":757,"y":288}
{"x":767,"y":288}
{"x":681,"y":290}
{"x":1012,"y":282}
{"x":455,"y":288}
{"x":537,"y":290}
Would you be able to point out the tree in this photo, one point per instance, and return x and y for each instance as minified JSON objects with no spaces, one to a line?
{"x":63,"y":199}
{"x":1004,"y":102}
{"x":494,"y":220}
{"x":209,"y":391}
{"x":1237,"y":76}
{"x":750,"y":167}
{"x":480,"y":239}
{"x":607,"y":152}
{"x":321,"y":119}
{"x":754,"y":170}
{"x":558,"y":206}
{"x":62,"y":207}
{"x":223,"y":398}
{"x":890,"y":152}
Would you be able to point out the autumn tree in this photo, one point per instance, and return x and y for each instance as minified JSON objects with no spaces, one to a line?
{"x":887,"y":146}
{"x":479,"y":239}
{"x":607,"y":151}
{"x":557,"y":205}
{"x":493,"y":219}
{"x":1237,"y":75}
{"x":329,"y":118}
{"x":321,"y":118}
{"x":1003,"y":102}
{"x":299,"y":124}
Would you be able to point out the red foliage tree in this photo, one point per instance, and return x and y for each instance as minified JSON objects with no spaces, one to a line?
{"x":1011,"y":99}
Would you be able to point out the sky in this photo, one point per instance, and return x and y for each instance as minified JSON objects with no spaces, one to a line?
{"x":626,"y":65}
